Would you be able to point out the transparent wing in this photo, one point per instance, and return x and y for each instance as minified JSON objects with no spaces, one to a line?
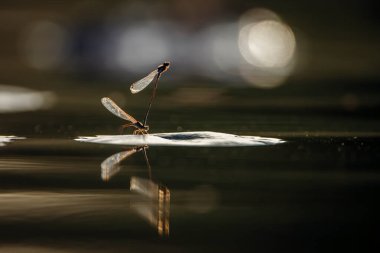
{"x":141,"y":84}
{"x":110,"y":166}
{"x":116,"y":110}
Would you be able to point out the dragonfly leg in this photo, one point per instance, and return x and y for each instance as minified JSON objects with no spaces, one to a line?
{"x":126,"y":126}
{"x":140,"y":132}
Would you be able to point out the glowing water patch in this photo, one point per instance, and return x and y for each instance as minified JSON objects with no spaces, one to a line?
{"x":7,"y":139}
{"x":195,"y":139}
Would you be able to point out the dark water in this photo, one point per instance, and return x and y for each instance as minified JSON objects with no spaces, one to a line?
{"x":317,"y":192}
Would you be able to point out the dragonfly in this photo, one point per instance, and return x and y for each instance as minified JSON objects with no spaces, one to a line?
{"x":144,"y":82}
{"x":117,"y":111}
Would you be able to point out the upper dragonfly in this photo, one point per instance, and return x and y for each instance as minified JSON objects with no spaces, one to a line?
{"x":143,"y":83}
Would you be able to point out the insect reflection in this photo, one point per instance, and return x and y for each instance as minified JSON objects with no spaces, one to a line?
{"x":157,"y":210}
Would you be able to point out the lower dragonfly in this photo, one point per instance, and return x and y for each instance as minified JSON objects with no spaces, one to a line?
{"x":117,"y":111}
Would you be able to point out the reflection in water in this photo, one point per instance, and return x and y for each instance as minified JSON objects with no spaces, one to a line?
{"x":158,"y":210}
{"x":110,"y":166}
{"x":154,"y":204}
{"x":201,"y":199}
{"x":6,"y":139}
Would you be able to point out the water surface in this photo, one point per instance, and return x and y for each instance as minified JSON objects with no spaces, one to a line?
{"x":317,"y":191}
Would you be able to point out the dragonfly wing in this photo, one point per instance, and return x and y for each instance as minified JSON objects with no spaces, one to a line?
{"x":141,"y":84}
{"x":111,"y":165}
{"x":116,"y":110}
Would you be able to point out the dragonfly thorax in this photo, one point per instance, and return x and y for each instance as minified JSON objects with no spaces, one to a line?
{"x":139,"y":125}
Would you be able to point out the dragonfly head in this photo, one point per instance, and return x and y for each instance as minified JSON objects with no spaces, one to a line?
{"x":165,"y":66}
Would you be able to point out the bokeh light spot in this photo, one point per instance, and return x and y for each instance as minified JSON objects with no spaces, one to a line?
{"x":44,"y":45}
{"x":268,"y":46}
{"x":271,"y":44}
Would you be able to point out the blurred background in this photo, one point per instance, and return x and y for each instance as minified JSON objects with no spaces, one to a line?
{"x":257,"y":55}
{"x":260,"y":43}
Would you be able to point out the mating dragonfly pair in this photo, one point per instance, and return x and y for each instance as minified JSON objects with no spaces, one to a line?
{"x":141,"y":128}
